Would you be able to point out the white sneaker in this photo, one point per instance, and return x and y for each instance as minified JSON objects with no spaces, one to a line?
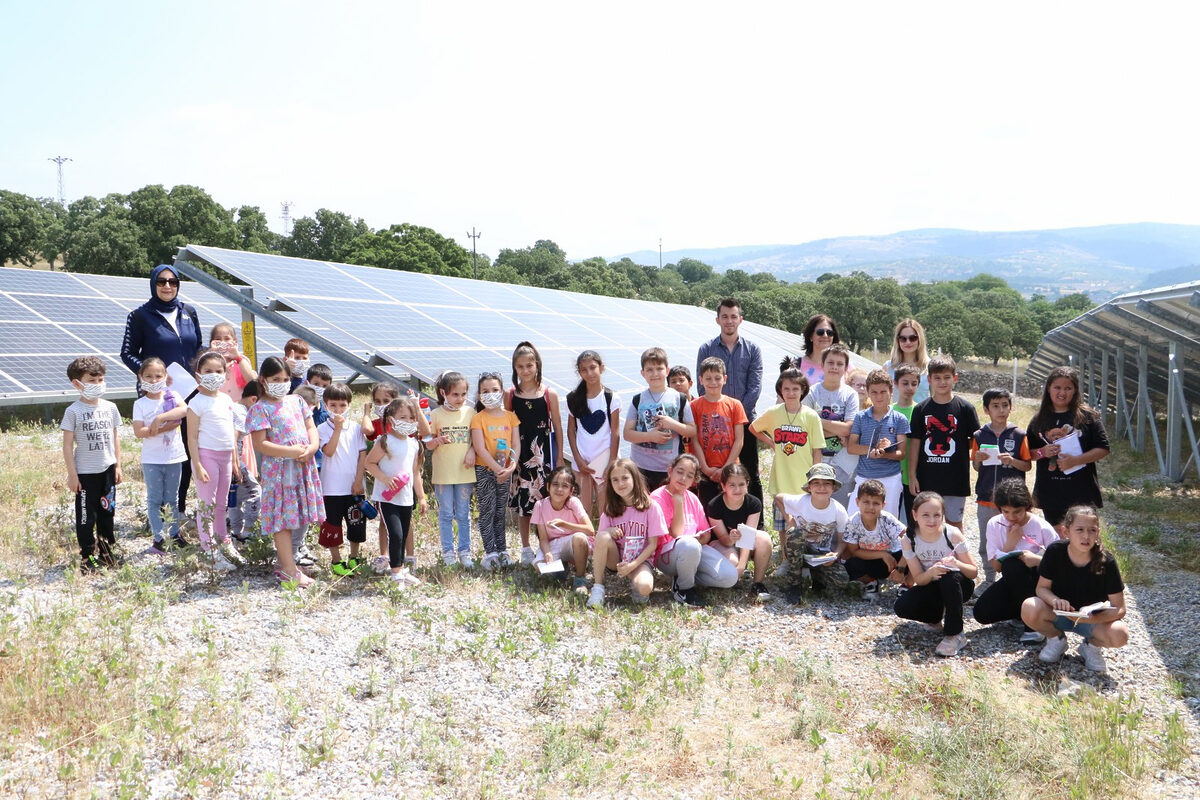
{"x":781,"y":571}
{"x":491,"y":562}
{"x":1093,"y":659}
{"x":1053,"y":649}
{"x":528,"y":556}
{"x":596,"y":598}
{"x":410,"y":561}
{"x":230,"y":552}
{"x":464,"y":558}
{"x":409,"y":578}
{"x":1032,"y":637}
{"x":449,"y":558}
{"x":397,"y":578}
{"x":951,"y":645}
{"x":221,"y":563}
{"x":381,"y":565}
{"x":503,"y":559}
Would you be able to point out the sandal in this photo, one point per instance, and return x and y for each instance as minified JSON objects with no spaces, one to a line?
{"x":300,"y":579}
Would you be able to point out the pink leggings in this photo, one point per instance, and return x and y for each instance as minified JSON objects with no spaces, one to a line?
{"x":214,"y":496}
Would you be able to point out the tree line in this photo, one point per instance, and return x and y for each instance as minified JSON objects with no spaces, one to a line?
{"x":127,"y":234}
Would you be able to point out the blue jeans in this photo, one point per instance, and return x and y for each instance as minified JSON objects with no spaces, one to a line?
{"x":162,"y":487}
{"x":454,"y":505}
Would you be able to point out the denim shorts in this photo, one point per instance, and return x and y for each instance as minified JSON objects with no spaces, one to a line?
{"x":1069,"y":625}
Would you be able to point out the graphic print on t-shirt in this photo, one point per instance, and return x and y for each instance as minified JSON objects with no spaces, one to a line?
{"x":649,"y":409}
{"x":633,"y":539}
{"x":714,"y":431}
{"x":593,"y":421}
{"x":939,"y":439}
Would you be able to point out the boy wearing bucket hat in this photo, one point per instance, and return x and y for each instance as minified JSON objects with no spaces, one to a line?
{"x":815,"y":524}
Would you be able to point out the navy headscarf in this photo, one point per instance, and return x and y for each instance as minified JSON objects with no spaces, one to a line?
{"x":158,"y":303}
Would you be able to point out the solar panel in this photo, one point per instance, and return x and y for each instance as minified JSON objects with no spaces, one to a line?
{"x":431,"y":323}
{"x":49,"y":318}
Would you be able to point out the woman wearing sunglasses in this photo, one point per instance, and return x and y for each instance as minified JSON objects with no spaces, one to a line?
{"x":819,"y":334}
{"x":163,"y":327}
{"x":909,"y":347}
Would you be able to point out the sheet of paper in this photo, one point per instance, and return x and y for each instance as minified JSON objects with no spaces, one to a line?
{"x":181,"y":380}
{"x":993,"y":455}
{"x":598,"y":465}
{"x":746,"y":536}
{"x":546,"y":568}
{"x":1071,"y":445}
{"x":820,"y":561}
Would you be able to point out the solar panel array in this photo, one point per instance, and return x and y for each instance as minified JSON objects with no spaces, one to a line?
{"x":49,"y":318}
{"x":429,"y":323}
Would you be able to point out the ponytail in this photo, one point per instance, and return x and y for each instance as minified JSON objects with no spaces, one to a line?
{"x":1097,"y":555}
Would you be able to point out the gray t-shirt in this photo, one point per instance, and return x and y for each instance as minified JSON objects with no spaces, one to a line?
{"x":642,"y":410}
{"x":95,"y":429}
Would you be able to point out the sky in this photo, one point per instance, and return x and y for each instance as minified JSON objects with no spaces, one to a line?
{"x":607,"y":127}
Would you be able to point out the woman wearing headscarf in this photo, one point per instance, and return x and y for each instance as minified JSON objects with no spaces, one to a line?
{"x":166,"y":328}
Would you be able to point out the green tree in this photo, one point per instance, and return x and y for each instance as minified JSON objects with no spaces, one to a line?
{"x":544,"y":264}
{"x":326,"y":236}
{"x":253,"y":232}
{"x":107,"y":244}
{"x":693,"y":271}
{"x":412,"y":248}
{"x":24,"y":228}
{"x":946,"y":325}
{"x":990,"y":336}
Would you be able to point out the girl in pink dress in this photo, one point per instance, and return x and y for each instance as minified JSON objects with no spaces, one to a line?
{"x":282,"y":429}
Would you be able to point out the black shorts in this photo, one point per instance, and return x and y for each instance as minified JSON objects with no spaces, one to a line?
{"x":653,"y":479}
{"x":342,"y":508}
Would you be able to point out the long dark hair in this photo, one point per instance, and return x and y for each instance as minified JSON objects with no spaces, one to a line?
{"x":447,"y":381}
{"x":1043,"y":420}
{"x":918,"y":501}
{"x":813,"y":322}
{"x":525,"y":349}
{"x":577,"y":398}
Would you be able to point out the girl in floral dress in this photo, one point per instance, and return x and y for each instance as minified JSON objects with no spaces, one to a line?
{"x":282,"y":429}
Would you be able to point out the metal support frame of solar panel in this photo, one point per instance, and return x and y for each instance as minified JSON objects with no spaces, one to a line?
{"x":49,"y":318}
{"x":1145,"y":339}
{"x":427,"y":323}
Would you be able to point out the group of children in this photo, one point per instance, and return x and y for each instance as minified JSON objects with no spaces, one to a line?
{"x":288,"y":442}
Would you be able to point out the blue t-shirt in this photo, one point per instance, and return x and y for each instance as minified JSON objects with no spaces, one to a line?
{"x":643,"y":409}
{"x":870,"y":431}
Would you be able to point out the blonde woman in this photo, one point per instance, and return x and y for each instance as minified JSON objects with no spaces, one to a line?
{"x":909,"y":346}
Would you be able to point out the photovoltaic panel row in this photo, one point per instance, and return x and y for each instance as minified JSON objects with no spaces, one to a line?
{"x":431,"y":323}
{"x":49,"y":318}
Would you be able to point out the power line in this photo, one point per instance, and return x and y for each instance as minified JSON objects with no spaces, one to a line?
{"x":60,"y":160}
{"x":474,"y":234}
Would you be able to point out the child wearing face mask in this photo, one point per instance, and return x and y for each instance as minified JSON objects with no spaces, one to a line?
{"x":282,"y":430}
{"x":212,"y":441}
{"x":156,"y":417}
{"x":94,"y":467}
{"x":295,"y":357}
{"x":398,"y":486}
{"x":494,"y":434}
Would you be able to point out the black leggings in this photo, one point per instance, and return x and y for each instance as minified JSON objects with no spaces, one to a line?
{"x":397,"y":519}
{"x":1003,"y":599}
{"x":938,"y":601}
{"x":95,"y":506}
{"x":875,"y":568}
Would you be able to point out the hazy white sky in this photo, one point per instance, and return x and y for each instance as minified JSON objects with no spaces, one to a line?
{"x":607,"y":126}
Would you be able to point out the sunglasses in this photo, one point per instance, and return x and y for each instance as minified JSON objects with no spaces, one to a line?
{"x":166,"y":281}
{"x":495,"y":375}
{"x":824,"y":332}
{"x":913,"y":338}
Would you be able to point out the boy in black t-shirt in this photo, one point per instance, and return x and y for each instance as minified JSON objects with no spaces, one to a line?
{"x":939,"y":446}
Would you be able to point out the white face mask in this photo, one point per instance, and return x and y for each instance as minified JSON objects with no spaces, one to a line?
{"x":299,"y":367}
{"x":379,"y":409}
{"x":491,"y":399}
{"x":319,"y":391}
{"x":154,"y":388}
{"x":278,"y":390}
{"x":213,"y":380}
{"x":93,"y":391}
{"x":449,"y":407}
{"x":403,"y":426}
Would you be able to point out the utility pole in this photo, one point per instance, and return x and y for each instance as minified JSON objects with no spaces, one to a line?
{"x":474,"y":234}
{"x":660,"y":252}
{"x":62,"y":196}
{"x":286,"y":216}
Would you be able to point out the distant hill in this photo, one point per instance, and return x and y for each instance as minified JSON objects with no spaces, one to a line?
{"x":1103,"y":261}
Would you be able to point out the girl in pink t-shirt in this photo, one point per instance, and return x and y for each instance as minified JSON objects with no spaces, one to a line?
{"x":680,"y":553}
{"x":629,"y":531}
{"x":563,"y":527}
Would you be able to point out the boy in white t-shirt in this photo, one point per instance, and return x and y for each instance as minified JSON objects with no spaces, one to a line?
{"x":872,"y":539}
{"x":815,"y":524}
{"x":836,"y":403}
{"x":345,"y":451}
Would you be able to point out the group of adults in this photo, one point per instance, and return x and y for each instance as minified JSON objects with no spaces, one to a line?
{"x":166,"y":327}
